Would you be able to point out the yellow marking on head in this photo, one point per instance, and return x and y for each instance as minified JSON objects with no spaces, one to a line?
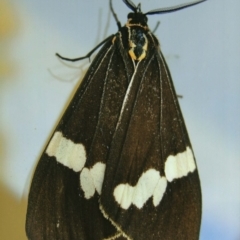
{"x":128,"y":24}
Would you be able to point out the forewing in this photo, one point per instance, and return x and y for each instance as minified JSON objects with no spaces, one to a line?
{"x":151,"y":184}
{"x":63,"y":199}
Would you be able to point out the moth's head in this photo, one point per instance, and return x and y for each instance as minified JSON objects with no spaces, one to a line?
{"x":137,"y":17}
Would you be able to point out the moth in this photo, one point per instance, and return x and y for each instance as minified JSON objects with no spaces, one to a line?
{"x":120,"y":164}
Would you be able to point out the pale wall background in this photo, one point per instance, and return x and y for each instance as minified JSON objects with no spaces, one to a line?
{"x":202,"y":48}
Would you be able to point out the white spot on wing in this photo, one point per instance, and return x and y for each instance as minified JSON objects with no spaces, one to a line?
{"x":87,"y":183}
{"x":179,"y":165}
{"x":92,"y":179}
{"x":66,"y":152}
{"x":97,"y":173}
{"x":123,"y":194}
{"x":145,"y":187}
{"x":149,"y":184}
{"x":159,"y":191}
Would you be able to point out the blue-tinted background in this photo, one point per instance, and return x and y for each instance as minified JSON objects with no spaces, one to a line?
{"x":202,"y":47}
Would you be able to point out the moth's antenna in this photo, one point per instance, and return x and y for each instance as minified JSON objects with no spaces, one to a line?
{"x":131,"y":5}
{"x":115,"y":15}
{"x":174,"y":8}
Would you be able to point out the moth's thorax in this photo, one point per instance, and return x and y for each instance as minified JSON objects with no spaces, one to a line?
{"x":137,"y":40}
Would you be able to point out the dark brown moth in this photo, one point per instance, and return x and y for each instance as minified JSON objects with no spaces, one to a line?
{"x":120,"y":163}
